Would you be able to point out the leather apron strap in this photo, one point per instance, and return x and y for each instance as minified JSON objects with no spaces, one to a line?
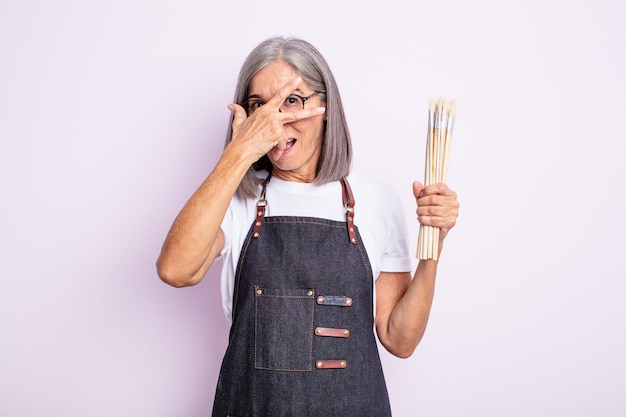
{"x":348,"y":204}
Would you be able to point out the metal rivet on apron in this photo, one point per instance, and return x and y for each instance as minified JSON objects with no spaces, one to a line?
{"x":353,"y":240}
{"x":320,"y":299}
{"x":258,"y":223}
{"x":347,"y":332}
{"x":349,"y":301}
{"x":343,"y":364}
{"x":319,"y":364}
{"x":259,"y":292}
{"x":260,"y":213}
{"x":256,"y":235}
{"x":318,"y":331}
{"x":310,"y":293}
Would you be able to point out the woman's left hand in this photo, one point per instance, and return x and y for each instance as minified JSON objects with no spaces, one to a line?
{"x":436,"y":206}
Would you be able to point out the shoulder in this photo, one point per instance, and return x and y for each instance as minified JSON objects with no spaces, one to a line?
{"x":372,"y":190}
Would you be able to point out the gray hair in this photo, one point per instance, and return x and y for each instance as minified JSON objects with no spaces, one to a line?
{"x":336,"y":154}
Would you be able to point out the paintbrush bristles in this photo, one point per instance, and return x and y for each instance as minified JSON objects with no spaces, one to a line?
{"x":441,"y":114}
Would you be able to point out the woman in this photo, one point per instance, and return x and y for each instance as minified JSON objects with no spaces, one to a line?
{"x":305,"y":246}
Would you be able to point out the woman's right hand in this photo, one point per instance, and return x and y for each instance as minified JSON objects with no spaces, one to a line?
{"x":195,"y":238}
{"x":263,"y":130}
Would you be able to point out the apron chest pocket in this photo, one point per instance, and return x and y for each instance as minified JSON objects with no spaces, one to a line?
{"x":283,"y":329}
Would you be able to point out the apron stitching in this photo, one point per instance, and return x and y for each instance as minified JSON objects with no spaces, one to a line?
{"x":256,"y":310}
{"x":237,"y":279}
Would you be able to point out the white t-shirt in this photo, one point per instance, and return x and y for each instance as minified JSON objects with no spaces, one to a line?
{"x":378,"y":214}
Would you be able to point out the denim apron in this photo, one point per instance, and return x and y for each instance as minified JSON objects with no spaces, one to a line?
{"x":302,"y":341}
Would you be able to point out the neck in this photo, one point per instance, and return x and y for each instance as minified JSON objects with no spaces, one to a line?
{"x":293,"y":176}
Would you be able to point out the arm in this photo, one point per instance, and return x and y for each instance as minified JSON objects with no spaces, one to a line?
{"x":403,"y":304}
{"x":195,"y":239}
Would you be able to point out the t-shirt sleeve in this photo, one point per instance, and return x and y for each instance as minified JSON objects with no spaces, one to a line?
{"x":396,"y":256}
{"x":227,"y":281}
{"x":227,"y":229}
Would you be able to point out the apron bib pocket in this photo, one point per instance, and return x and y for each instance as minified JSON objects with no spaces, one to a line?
{"x":283,"y":329}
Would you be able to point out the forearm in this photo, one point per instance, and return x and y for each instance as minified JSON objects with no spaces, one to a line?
{"x":408,"y":320}
{"x":407,"y":317}
{"x":190,"y":242}
{"x":404,"y":309}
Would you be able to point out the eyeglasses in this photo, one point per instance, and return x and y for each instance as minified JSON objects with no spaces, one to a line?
{"x":292,"y":103}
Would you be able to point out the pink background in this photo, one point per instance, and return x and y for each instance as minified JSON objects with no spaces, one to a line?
{"x":112,"y":112}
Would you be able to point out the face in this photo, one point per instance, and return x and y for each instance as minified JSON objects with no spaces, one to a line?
{"x":298,"y":161}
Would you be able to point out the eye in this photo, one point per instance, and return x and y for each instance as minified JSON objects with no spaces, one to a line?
{"x":253,"y":105}
{"x":292,"y":102}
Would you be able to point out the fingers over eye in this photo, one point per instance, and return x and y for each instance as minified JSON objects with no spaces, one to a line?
{"x":282,"y":93}
{"x":289,"y":117}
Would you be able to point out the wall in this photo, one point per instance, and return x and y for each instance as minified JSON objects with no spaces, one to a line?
{"x":112,"y":112}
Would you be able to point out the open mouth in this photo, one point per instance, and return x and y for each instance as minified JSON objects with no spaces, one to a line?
{"x":290,"y":143}
{"x":277,"y":153}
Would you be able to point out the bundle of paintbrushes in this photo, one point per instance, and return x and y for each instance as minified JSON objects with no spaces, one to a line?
{"x":439,"y":136}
